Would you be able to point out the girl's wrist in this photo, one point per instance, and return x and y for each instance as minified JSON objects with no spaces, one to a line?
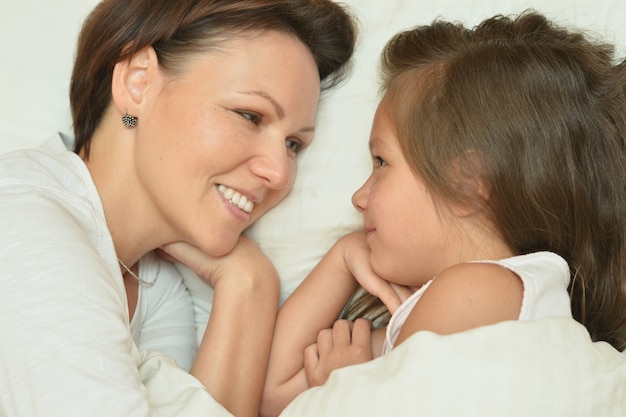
{"x":342,"y":254}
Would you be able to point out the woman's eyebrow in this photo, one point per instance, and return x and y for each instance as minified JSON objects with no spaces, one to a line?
{"x":265,"y":95}
{"x":279,"y":109}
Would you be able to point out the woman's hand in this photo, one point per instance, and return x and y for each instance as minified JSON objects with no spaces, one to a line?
{"x":356,"y":254}
{"x":345,"y":344}
{"x":245,"y":256}
{"x":233,"y":355}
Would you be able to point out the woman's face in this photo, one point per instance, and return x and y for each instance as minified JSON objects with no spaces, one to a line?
{"x":217,"y":149}
{"x":407,"y":233}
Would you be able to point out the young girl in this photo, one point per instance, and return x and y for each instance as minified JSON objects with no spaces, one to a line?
{"x":497,"y":193}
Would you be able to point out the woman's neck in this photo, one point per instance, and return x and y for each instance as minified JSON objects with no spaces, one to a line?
{"x":131,"y":219}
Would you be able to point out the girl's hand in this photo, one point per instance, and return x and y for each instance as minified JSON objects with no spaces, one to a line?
{"x":345,"y":344}
{"x":357,"y":259}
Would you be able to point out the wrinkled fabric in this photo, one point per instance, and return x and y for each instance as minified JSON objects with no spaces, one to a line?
{"x":547,"y":367}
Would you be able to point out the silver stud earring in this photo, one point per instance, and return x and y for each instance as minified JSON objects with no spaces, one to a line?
{"x":128,"y":120}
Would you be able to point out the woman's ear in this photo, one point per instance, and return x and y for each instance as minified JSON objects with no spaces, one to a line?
{"x":131,"y":79}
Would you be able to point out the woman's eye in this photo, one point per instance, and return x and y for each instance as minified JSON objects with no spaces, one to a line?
{"x":253,"y":117}
{"x":378,"y":161}
{"x":293,"y":145}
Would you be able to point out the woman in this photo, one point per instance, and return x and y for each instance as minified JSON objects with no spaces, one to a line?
{"x":188,"y":117}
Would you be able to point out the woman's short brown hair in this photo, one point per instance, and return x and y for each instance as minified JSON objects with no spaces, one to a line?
{"x":116,"y":29}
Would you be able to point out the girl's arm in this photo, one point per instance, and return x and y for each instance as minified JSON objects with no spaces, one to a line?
{"x":233,"y":355}
{"x":312,"y":307}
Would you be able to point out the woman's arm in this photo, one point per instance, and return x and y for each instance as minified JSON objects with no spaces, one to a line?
{"x":233,"y":355}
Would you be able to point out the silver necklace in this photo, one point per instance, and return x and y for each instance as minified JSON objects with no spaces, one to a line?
{"x":141,"y":280}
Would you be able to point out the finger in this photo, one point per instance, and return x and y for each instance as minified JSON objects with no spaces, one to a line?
{"x":341,"y":332}
{"x":324,"y":342}
{"x":311,"y":360}
{"x":378,"y":287}
{"x":403,"y":292}
{"x":311,"y":355}
{"x":164,"y":255}
{"x":189,"y":255}
{"x":362,"y":332}
{"x":183,"y":252}
{"x":388,"y":296}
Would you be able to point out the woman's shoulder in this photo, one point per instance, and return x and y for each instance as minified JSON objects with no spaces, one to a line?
{"x":51,"y":168}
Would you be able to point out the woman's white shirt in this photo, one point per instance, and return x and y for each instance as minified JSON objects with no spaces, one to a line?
{"x":66,"y":347}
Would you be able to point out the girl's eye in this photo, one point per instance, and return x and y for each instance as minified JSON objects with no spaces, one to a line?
{"x":293,"y":145}
{"x":378,"y":161}
{"x":253,"y":117}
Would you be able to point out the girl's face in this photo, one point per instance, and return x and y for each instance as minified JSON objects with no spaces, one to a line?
{"x":218,"y":146}
{"x":406,"y":232}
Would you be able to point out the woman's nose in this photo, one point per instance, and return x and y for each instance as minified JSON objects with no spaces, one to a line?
{"x":274,"y":165}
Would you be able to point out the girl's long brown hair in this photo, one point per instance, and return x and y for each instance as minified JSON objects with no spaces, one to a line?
{"x":541,"y":110}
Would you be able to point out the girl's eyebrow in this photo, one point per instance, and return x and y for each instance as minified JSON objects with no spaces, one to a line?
{"x":376,"y":143}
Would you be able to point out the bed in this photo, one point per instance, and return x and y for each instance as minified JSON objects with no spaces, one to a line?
{"x":496,"y":370}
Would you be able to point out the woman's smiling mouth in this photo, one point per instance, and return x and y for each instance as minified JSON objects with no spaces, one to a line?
{"x":236,"y":199}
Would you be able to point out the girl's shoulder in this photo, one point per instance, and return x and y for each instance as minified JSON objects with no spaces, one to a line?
{"x":475,"y":283}
{"x":465,"y":296}
{"x":542,"y":260}
{"x":496,"y":282}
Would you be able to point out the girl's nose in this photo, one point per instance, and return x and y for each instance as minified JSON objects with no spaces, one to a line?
{"x":359,"y":198}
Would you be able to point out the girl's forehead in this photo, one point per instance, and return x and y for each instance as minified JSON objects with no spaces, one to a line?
{"x":383,"y":137}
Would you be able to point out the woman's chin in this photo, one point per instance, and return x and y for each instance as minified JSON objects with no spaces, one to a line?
{"x":220,"y":247}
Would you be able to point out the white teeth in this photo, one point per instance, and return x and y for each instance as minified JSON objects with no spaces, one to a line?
{"x":228,"y":192}
{"x":236,"y":199}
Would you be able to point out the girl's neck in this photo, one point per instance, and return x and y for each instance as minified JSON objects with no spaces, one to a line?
{"x":480,"y":241}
